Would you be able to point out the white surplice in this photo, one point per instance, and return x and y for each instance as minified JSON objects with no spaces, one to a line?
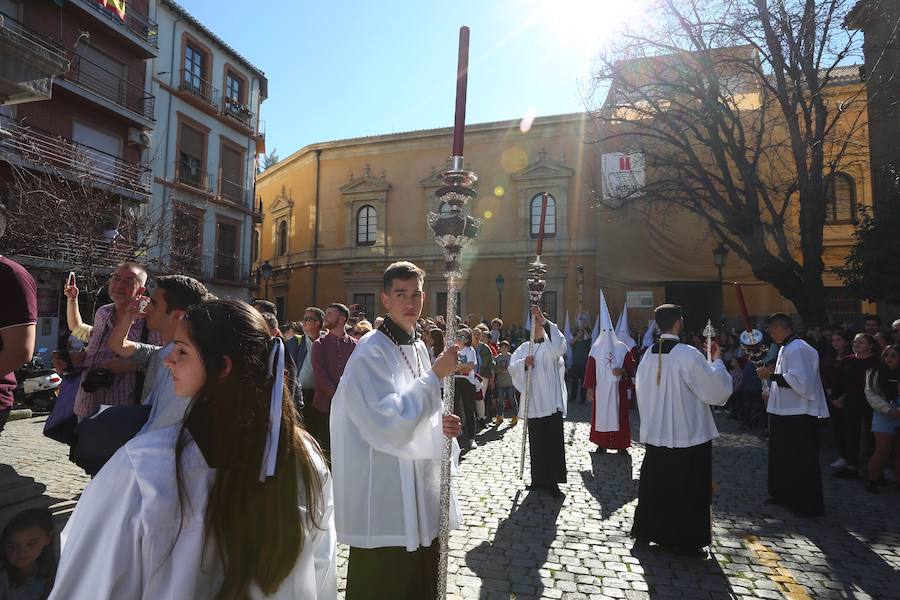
{"x":798,"y":362}
{"x":386,"y":445}
{"x":126,"y":540}
{"x":548,"y":382}
{"x":675,"y":413}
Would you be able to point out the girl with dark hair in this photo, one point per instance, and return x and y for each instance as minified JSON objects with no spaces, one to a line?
{"x":435,"y":343}
{"x":882,"y":395}
{"x":235,"y":502}
{"x":26,"y":562}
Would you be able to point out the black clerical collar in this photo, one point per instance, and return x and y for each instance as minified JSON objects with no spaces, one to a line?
{"x":541,"y":341}
{"x":789,"y":339}
{"x":665,"y":344}
{"x":397,"y":333}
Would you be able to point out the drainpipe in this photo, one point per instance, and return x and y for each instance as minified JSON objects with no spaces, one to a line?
{"x":162,"y":208}
{"x":315,"y":266}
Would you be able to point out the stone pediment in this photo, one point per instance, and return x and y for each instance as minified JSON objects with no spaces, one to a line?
{"x":543,"y":168}
{"x":283,"y":201}
{"x":366,"y":184}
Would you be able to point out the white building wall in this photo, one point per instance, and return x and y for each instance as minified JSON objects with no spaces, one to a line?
{"x":164,"y":149}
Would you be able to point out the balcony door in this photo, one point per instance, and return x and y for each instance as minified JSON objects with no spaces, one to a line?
{"x":101,"y":73}
{"x":227,"y":251}
{"x":232,"y":186}
{"x":193,"y":69}
{"x":99,"y":152}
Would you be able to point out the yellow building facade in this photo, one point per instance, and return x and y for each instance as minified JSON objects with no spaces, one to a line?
{"x":337,"y":213}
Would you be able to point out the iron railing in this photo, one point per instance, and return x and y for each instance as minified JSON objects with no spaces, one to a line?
{"x":240,"y":112}
{"x":44,"y":149}
{"x":32,"y":39}
{"x":190,"y":82}
{"x":139,"y":24}
{"x":111,"y":86}
{"x":232,"y":190}
{"x":194,"y":177}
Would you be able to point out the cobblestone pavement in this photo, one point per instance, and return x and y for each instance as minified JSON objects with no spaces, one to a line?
{"x":516,"y":544}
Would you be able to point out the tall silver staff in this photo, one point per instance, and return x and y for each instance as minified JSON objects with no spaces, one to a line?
{"x":536,"y":286}
{"x":453,"y":230}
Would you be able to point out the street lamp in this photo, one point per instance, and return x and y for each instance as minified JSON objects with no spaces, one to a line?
{"x":266,"y":270}
{"x":500,"y":281}
{"x":720,"y":254}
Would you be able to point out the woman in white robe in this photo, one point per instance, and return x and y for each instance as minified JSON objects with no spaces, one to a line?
{"x":221,"y":506}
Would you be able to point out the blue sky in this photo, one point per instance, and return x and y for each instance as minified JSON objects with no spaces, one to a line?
{"x":343,"y":69}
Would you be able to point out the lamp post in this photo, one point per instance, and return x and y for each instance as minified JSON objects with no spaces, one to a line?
{"x":720,"y":255}
{"x":500,"y":281}
{"x":266,"y":270}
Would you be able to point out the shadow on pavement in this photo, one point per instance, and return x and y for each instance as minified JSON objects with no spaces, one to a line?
{"x":667,"y":574}
{"x":610,"y":481}
{"x":512,"y":563}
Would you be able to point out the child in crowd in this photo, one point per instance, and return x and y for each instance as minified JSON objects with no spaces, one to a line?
{"x":27,"y":566}
{"x":505,"y":389}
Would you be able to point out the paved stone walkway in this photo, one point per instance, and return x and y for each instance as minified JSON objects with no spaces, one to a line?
{"x":516,"y":544}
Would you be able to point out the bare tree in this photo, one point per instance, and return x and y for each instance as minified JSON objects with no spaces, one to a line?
{"x":741,"y":111}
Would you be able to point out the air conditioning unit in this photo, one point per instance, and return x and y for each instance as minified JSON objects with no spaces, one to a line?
{"x":138,"y":137}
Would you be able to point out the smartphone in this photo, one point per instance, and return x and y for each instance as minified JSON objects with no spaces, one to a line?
{"x":71,"y":280}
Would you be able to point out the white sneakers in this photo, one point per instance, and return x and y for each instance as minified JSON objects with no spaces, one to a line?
{"x":839,"y":464}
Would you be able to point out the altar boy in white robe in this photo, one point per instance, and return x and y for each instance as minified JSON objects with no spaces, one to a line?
{"x":387,"y":435}
{"x":546,"y":404}
{"x":675,"y":388}
{"x":795,"y":404}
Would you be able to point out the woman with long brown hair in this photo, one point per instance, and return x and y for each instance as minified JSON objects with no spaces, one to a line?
{"x":235,"y":502}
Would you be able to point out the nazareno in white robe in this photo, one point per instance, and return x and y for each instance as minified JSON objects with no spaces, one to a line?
{"x":118,"y":544}
{"x":548,"y":382}
{"x":386,"y":444}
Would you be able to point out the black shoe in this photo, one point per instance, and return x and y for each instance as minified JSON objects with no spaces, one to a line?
{"x":845,"y":473}
{"x":872,"y":487}
{"x":554,"y":491}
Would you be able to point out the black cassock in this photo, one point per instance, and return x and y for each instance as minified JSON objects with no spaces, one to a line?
{"x":795,"y":480}
{"x":674,"y":497}
{"x":547,"y":449}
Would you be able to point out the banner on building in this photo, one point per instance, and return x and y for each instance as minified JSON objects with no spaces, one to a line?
{"x":118,"y":6}
{"x":623,"y":175}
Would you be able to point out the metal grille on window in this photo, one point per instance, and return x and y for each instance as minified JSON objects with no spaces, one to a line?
{"x":840,"y":199}
{"x":366,"y":303}
{"x":548,"y":303}
{"x":549,"y":222}
{"x":366,"y":226}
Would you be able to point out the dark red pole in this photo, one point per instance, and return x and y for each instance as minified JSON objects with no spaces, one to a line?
{"x":743,"y":305}
{"x":540,"y":244}
{"x":462,"y":74}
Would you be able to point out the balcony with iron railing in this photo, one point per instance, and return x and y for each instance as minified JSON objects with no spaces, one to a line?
{"x":232,"y":191}
{"x":193,"y":84}
{"x":189,"y":174}
{"x":70,"y":250}
{"x":41,"y":149}
{"x":237,"y":111}
{"x":28,"y":61}
{"x":145,"y":29}
{"x":111,"y":86}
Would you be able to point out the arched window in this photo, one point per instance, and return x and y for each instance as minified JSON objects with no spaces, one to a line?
{"x":444,"y":208}
{"x":366,"y":225}
{"x":549,"y":222}
{"x":282,"y":238}
{"x":840,"y":199}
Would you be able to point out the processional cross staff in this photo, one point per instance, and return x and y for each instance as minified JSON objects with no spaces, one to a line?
{"x":453,"y":230}
{"x":536,"y":286}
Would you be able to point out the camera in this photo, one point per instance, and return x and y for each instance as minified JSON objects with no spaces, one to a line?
{"x":95,"y":379}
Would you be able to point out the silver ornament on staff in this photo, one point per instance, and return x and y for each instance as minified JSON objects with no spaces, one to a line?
{"x":752,"y":339}
{"x":536,"y":285}
{"x":709,"y":332}
{"x":453,"y":229}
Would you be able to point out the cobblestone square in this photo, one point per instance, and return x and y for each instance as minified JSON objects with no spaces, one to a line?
{"x":516,"y":544}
